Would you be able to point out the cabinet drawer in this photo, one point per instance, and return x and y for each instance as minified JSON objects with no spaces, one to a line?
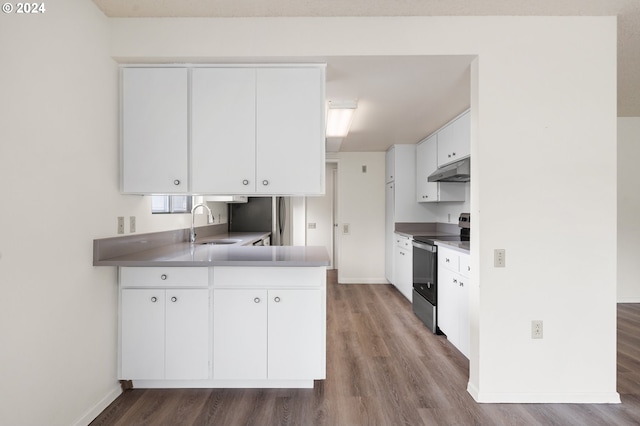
{"x":402,"y":242}
{"x":262,"y":277}
{"x":465,"y":265}
{"x":448,"y":259}
{"x":164,"y":277}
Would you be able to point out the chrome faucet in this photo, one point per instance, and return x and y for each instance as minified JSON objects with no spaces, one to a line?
{"x":192,"y":234}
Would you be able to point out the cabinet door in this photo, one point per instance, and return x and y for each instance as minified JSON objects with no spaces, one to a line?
{"x":223,"y":132}
{"x":187,"y":334}
{"x":390,"y":165}
{"x":447,"y":304}
{"x":426,"y":163}
{"x":290,"y":131}
{"x":142,"y":334}
{"x":296,"y":334}
{"x":404,"y":277}
{"x":389,"y":231}
{"x":454,"y":140}
{"x":463,"y":315}
{"x":239,"y":334}
{"x":154,"y":130}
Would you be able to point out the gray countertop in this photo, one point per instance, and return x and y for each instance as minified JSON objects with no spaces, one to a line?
{"x":461,"y":246}
{"x":241,"y":253}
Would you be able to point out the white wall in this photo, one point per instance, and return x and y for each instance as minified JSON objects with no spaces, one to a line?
{"x":534,"y":86}
{"x":59,"y":174}
{"x":628,"y":210}
{"x":361,"y":206}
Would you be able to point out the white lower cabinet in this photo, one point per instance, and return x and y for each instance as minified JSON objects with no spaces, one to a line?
{"x":269,"y":325}
{"x":453,"y":297}
{"x":403,"y":271}
{"x":164,"y":334}
{"x":268,"y":334}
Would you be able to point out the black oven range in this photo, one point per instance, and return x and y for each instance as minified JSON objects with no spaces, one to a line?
{"x":425,"y":272}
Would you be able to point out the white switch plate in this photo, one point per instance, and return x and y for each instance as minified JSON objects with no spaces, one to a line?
{"x":132,"y":224}
{"x":536,"y":329}
{"x":120,"y":224}
{"x":499,"y":260}
{"x":345,"y":228}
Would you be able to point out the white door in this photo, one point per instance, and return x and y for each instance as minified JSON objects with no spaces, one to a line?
{"x":239,"y":334}
{"x":142,"y":336}
{"x":223,"y":132}
{"x":154,"y":130}
{"x":187,"y":334}
{"x":290,"y":131}
{"x":296,"y":334}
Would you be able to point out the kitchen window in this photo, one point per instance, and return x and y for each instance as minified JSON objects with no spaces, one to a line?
{"x":168,"y":204}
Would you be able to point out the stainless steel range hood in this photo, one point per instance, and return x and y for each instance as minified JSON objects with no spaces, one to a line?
{"x":459,"y":171}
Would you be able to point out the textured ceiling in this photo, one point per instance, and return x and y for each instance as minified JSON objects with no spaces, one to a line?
{"x":361,"y":75}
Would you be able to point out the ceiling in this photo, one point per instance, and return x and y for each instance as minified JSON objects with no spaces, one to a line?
{"x":396,"y":103}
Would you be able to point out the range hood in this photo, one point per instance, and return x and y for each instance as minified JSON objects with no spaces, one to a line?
{"x":455,"y":172}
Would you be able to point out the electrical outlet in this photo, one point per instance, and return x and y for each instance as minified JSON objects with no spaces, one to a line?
{"x":499,"y":260}
{"x":345,"y":228}
{"x":120,"y":224}
{"x":536,"y":329}
{"x":132,"y":224}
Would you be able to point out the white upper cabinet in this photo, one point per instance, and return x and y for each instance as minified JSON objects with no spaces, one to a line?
{"x":248,"y":129}
{"x":390,"y":165}
{"x":290,"y":142}
{"x":223,"y":130}
{"x":454,"y":140}
{"x":154,"y":130}
{"x":426,"y":164}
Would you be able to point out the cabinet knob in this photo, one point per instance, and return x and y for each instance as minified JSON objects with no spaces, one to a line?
{"x":163,"y":277}
{"x":256,"y":300}
{"x":455,"y":281}
{"x":265,"y":182}
{"x":454,"y":154}
{"x":174,"y":299}
{"x":154,"y":299}
{"x":176,"y":182}
{"x":245,"y":182}
{"x":276,"y":299}
{"x":446,"y":259}
{"x":461,"y":284}
{"x":449,"y":155}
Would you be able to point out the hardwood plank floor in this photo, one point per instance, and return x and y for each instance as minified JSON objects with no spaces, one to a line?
{"x":383,"y":368}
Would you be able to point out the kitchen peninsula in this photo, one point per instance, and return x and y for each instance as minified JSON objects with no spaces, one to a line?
{"x":219,"y":312}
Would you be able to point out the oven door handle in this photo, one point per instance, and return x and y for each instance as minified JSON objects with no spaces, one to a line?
{"x":428,"y":247}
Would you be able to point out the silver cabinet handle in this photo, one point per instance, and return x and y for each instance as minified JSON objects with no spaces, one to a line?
{"x":276,"y":299}
{"x":256,"y":300}
{"x":154,"y":299}
{"x":265,"y":182}
{"x":174,"y":299}
{"x":461,"y":284}
{"x":446,"y":259}
{"x":455,"y":281}
{"x":163,"y":277}
{"x":176,"y":182}
{"x":245,"y":182}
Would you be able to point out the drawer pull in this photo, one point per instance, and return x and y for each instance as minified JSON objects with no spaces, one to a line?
{"x":245,"y":182}
{"x":154,"y":299}
{"x":276,"y":299}
{"x":163,"y":277}
{"x":174,"y":299}
{"x":256,"y":300}
{"x":265,"y":182}
{"x":176,"y":182}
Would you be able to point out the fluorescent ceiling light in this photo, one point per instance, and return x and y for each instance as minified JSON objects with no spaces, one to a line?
{"x":339,"y":117}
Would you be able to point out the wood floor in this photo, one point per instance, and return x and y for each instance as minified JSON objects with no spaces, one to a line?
{"x":383,"y":368}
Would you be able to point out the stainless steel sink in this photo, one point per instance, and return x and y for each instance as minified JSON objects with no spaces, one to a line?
{"x":222,"y":241}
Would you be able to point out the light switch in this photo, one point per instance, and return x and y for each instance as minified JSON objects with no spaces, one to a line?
{"x":312,"y":225}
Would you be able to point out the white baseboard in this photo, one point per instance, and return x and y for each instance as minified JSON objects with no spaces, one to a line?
{"x":362,"y":281}
{"x":99,"y":407}
{"x":629,"y":300}
{"x":544,"y":398}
